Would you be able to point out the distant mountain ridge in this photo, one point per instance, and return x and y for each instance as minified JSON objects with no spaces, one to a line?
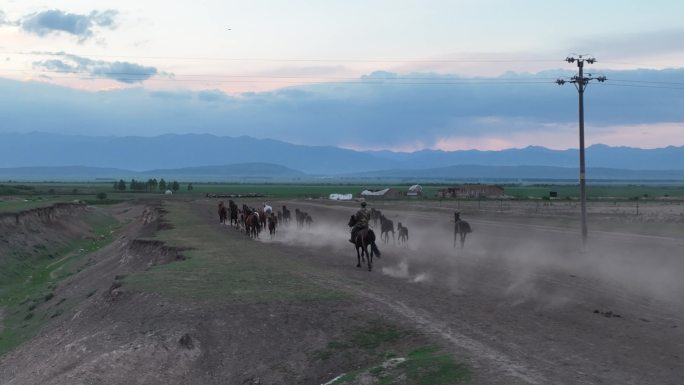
{"x":175,"y":152}
{"x":271,"y":173}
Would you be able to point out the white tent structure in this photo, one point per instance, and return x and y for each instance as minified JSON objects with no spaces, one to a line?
{"x":378,"y":193}
{"x":341,"y":197}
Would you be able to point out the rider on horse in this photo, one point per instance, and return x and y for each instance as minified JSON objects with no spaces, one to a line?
{"x":362,"y":218}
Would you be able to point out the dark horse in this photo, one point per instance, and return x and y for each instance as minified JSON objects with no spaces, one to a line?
{"x":364,"y":238}
{"x":403,"y":233}
{"x":286,"y":215}
{"x":233,"y":212}
{"x":386,"y":227}
{"x":222,"y":213}
{"x":461,"y":229}
{"x":272,"y":224}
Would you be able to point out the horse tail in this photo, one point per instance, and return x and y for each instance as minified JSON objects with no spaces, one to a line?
{"x":375,"y":250}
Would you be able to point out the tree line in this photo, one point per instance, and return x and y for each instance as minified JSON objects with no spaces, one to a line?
{"x":150,"y":185}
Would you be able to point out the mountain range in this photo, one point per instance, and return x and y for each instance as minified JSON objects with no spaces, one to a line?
{"x":208,"y":157}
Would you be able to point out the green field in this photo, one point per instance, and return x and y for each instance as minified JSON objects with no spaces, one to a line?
{"x":22,"y":196}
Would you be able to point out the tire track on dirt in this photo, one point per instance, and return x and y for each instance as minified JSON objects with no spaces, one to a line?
{"x":430,"y":324}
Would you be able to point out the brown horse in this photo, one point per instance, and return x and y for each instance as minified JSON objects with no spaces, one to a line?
{"x":461,"y":229}
{"x":262,"y":218}
{"x":363,"y":239}
{"x":252,"y":225}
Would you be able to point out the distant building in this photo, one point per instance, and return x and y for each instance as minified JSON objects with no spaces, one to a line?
{"x":388,"y":193}
{"x":415,"y":191}
{"x":472,"y":191}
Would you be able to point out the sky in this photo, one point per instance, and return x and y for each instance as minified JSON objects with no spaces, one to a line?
{"x":367,"y":75}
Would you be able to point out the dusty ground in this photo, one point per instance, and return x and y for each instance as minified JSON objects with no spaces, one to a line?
{"x":519,"y":304}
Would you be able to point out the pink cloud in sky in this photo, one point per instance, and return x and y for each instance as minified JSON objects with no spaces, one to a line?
{"x":564,"y":136}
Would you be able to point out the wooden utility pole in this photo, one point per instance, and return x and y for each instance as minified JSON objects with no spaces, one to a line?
{"x":580,"y":81}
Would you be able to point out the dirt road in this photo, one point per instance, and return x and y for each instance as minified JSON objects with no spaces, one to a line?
{"x":519,"y":303}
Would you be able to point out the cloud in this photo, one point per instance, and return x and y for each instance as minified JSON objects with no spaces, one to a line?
{"x":5,"y":21}
{"x":637,"y":44}
{"x":57,"y":21}
{"x":123,"y":72}
{"x":399,"y":111}
{"x":212,"y":96}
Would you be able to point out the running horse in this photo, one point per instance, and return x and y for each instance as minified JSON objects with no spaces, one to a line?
{"x":252,"y":224}
{"x":233,"y":211}
{"x":461,"y":229}
{"x":403,"y":233}
{"x":222,"y":213}
{"x":363,"y":239}
{"x":272,"y":225}
{"x":286,"y":215}
{"x":386,"y":227}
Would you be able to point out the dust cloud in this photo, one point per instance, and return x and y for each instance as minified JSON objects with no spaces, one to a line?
{"x":515,"y":262}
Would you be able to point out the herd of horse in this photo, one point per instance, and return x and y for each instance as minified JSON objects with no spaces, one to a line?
{"x":253,"y":220}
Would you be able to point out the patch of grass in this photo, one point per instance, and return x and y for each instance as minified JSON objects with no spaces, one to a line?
{"x":28,"y":279}
{"x":429,"y":366}
{"x":376,"y":334}
{"x":378,"y":341}
{"x":424,"y":366}
{"x":223,"y":267}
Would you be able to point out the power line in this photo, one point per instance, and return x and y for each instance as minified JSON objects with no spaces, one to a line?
{"x":209,"y":75}
{"x":267,"y":59}
{"x":642,"y":86}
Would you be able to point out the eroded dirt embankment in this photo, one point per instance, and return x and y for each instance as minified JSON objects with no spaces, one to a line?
{"x":27,"y":236}
{"x":40,"y":223}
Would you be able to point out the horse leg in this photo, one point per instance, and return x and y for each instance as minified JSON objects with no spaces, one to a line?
{"x":370,"y":259}
{"x":358,"y":257}
{"x":463,"y":236}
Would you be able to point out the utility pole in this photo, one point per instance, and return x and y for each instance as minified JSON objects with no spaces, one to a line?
{"x":580,"y":81}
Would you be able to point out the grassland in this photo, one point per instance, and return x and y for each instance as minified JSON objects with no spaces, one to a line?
{"x":221,"y":268}
{"x":29,"y":278}
{"x":20,"y":196}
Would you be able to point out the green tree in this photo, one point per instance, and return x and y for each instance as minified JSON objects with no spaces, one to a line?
{"x":162,"y":185}
{"x":190,"y":187}
{"x":175,"y":186}
{"x":101,"y":196}
{"x":122,"y":185}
